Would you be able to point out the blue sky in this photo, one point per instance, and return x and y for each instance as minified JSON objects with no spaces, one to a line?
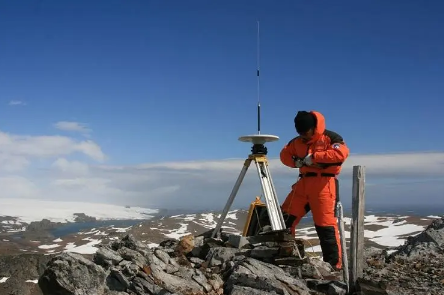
{"x":170,"y":81}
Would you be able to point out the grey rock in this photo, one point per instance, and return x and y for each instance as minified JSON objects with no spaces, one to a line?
{"x":310,"y":271}
{"x":264,"y":252}
{"x":153,"y":260}
{"x":265,"y":277}
{"x":72,"y":274}
{"x":196,"y":260}
{"x":371,"y":251}
{"x":200,"y":278}
{"x":316,"y":268}
{"x":112,"y":292}
{"x":337,"y":288}
{"x":237,"y":241}
{"x":146,"y":285}
{"x":219,"y":255}
{"x":242,"y":290}
{"x":162,"y":255}
{"x":129,"y":242}
{"x":171,"y":268}
{"x":132,"y":255}
{"x":105,"y":256}
{"x":198,"y":246}
{"x":175,"y":283}
{"x":215,"y":281}
{"x":117,"y":280}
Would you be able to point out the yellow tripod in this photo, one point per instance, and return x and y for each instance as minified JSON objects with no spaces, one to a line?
{"x":259,"y":156}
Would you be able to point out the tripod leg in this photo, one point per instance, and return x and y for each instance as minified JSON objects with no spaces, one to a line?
{"x":232,"y":196}
{"x":273,"y":208}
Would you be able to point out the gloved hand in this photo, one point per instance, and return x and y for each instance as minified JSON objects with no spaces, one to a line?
{"x":298,"y":162}
{"x":308,"y":160}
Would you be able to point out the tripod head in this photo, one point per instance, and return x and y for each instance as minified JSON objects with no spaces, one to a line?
{"x":259,"y":149}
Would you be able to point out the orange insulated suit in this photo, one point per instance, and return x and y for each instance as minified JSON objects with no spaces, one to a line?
{"x":317,"y":186}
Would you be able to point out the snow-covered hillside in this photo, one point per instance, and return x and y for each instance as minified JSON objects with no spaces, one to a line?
{"x":28,"y":210}
{"x":15,"y":215}
{"x":380,"y":231}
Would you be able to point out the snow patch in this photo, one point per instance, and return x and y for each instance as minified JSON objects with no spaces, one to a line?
{"x":389,"y":236}
{"x":121,"y":230}
{"x":49,"y":246}
{"x":178,"y":233}
{"x":87,"y":248}
{"x":433,"y":216}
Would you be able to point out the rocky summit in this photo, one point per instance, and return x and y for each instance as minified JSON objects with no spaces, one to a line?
{"x":268,"y":264}
{"x":271,"y":263}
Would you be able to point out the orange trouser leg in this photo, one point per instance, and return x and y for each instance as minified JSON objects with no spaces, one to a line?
{"x":322,"y":194}
{"x":295,"y":206}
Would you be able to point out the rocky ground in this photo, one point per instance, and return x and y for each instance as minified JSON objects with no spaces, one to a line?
{"x":268,"y":264}
{"x":417,"y":267}
{"x":19,"y":269}
{"x":195,"y":265}
{"x":19,"y":273}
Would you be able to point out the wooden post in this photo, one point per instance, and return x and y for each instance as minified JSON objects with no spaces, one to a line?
{"x":357,"y":227}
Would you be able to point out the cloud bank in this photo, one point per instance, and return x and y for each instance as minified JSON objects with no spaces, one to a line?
{"x":49,"y":167}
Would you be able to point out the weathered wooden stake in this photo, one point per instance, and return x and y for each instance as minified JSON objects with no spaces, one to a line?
{"x":357,"y":227}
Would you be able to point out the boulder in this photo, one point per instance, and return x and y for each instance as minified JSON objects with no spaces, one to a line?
{"x":72,"y":274}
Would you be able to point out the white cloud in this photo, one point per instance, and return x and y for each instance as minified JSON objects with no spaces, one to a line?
{"x":72,"y":126}
{"x":71,"y":167}
{"x":18,"y":151}
{"x":42,"y":167}
{"x":17,"y":103}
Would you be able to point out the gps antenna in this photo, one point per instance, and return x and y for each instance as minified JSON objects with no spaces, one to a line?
{"x":259,"y":157}
{"x":258,"y":84}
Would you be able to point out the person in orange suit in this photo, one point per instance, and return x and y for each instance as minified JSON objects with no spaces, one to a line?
{"x":319,"y":154}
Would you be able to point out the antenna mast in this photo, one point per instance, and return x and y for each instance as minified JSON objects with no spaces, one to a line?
{"x":258,"y":84}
